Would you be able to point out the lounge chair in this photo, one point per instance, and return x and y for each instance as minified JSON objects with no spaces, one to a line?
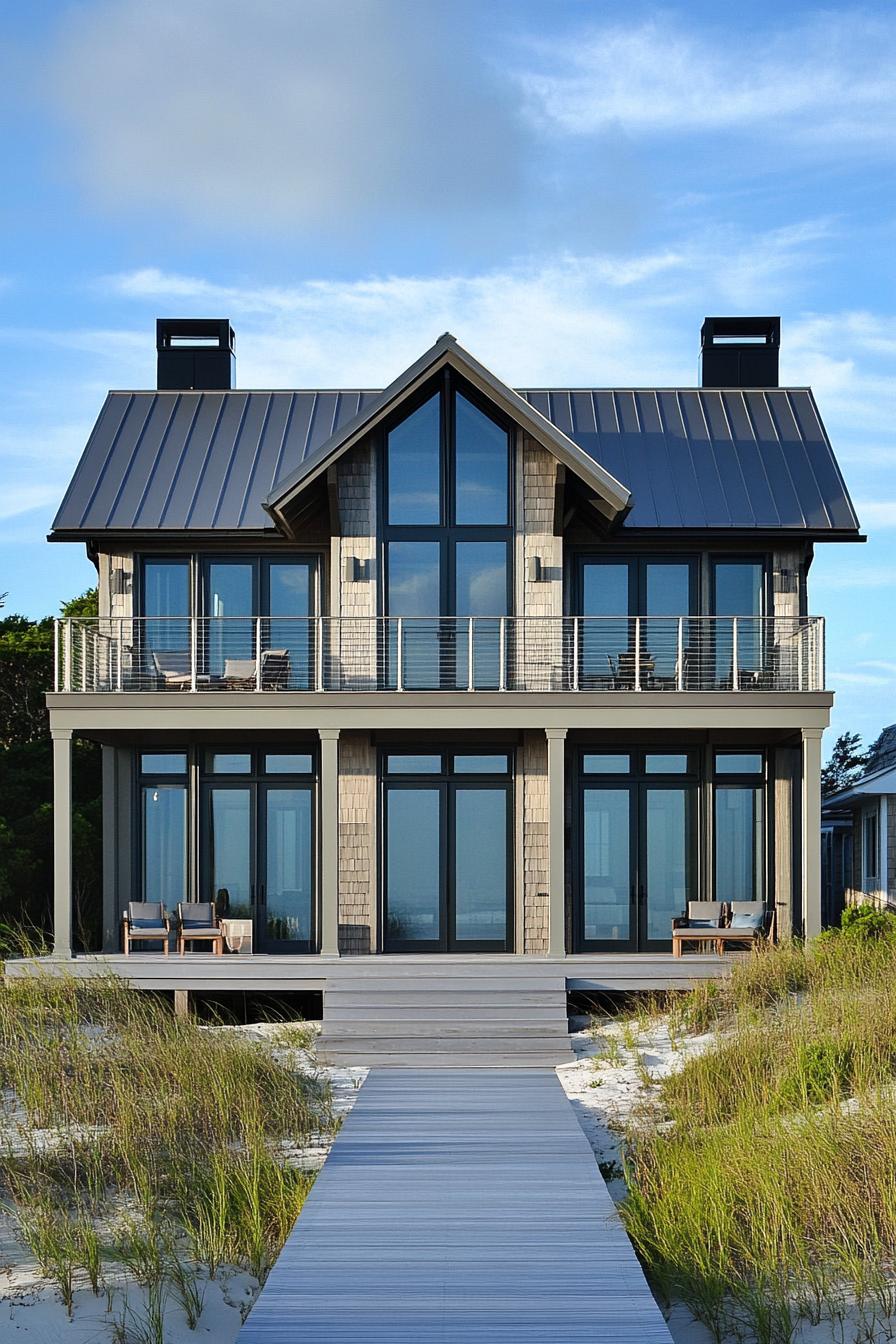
{"x":700,"y":925}
{"x":197,"y":921}
{"x":750,"y":922}
{"x":172,"y":669}
{"x":145,"y":921}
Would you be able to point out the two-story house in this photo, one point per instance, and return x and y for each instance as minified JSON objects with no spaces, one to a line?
{"x":452,"y":667}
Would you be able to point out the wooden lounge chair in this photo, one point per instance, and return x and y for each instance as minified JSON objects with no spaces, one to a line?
{"x":749,"y":922}
{"x":197,"y":921}
{"x":701,"y":925}
{"x":145,"y":921}
{"x":172,"y":669}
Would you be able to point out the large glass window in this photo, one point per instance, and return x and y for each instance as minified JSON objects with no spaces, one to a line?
{"x":738,"y":589}
{"x":739,"y":827}
{"x":447,"y":862}
{"x":414,"y":467}
{"x":871,"y":864}
{"x":164,"y":874}
{"x":447,"y":470}
{"x":613,"y":591}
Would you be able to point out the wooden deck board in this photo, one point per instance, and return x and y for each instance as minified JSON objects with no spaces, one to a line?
{"x":456,"y":1206}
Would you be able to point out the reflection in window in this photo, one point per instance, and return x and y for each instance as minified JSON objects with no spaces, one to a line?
{"x":480,"y":765}
{"x":659,"y":764}
{"x":414,"y":467}
{"x":163,"y":762}
{"x":738,"y":762}
{"x":414,"y":765}
{"x":288,"y":763}
{"x":229,"y":763}
{"x":164,"y":843}
{"x":738,"y":842}
{"x":610,"y":763}
{"x":481,"y":466}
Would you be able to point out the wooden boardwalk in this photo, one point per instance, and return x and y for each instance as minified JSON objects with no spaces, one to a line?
{"x":458,"y":1205}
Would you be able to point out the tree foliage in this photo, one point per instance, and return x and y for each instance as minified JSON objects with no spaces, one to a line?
{"x":845,"y":766}
{"x":26,"y":782}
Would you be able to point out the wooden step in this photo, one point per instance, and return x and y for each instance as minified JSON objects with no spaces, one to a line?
{"x":450,"y":1012}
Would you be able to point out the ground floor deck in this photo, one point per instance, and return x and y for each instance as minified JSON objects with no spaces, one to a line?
{"x":202,"y":973}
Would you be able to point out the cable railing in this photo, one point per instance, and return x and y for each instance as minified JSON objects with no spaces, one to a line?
{"x":440,"y":653}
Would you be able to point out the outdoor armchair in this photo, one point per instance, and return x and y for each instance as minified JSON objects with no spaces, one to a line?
{"x":749,"y":922}
{"x":700,"y":925}
{"x":145,"y":921}
{"x":197,"y":921}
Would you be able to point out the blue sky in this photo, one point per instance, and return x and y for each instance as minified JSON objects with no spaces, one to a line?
{"x":568,"y":186}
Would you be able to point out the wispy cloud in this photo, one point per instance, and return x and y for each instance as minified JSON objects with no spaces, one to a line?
{"x":878,"y":513}
{"x":269,"y":114}
{"x":825,"y":81}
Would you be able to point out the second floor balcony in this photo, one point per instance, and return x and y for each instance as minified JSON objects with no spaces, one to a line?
{"x":205,"y":655}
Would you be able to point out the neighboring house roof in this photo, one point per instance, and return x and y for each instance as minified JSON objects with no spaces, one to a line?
{"x":872,"y":785}
{"x":719,"y":460}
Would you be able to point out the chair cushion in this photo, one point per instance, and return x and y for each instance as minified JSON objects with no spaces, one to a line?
{"x":198,"y":926}
{"x":145,"y":924}
{"x":703,"y":923}
{"x":747,"y":921}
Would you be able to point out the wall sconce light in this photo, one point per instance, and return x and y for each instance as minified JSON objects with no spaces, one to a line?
{"x":535,"y":572}
{"x":355,"y":570}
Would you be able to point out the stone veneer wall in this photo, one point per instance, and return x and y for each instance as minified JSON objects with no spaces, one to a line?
{"x":354,"y":643}
{"x":357,"y":844}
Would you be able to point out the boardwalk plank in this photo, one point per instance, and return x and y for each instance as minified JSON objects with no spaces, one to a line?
{"x":458,"y":1205}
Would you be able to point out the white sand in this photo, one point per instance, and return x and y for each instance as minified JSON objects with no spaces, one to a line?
{"x":31,"y":1309}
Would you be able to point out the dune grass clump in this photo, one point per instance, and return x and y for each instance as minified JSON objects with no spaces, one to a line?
{"x":117,"y":1115}
{"x":762,"y":1184}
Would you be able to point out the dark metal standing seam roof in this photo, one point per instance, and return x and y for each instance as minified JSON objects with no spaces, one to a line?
{"x":692,"y":457}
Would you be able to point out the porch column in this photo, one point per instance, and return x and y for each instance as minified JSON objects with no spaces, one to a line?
{"x":556,"y":841}
{"x":329,"y":841}
{"x":811,"y":831}
{"x":62,"y":844}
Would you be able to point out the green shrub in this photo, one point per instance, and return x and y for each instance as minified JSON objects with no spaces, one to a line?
{"x":868,"y":921}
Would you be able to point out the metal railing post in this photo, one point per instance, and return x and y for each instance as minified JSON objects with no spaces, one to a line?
{"x":319,"y":653}
{"x":822,"y":669}
{"x":470,"y":653}
{"x":681,"y":653}
{"x":399,"y":669}
{"x":119,"y":675}
{"x":502,"y":654}
{"x":576,"y":650}
{"x":735,"y":680}
{"x":56,"y":653}
{"x":194,"y":652}
{"x":67,"y":654}
{"x":637,"y":653}
{"x":83,"y":657}
{"x":800,"y":635}
{"x":258,"y":653}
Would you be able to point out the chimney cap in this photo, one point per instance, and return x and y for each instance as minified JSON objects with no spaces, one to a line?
{"x":211,"y":332}
{"x":744,"y":330}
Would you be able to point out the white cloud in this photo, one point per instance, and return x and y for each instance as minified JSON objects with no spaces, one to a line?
{"x":877,"y":513}
{"x":826,"y":81}
{"x":317,"y":114}
{"x":595,"y":319}
{"x":860,"y":679}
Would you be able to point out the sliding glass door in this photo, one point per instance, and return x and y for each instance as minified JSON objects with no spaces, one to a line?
{"x":235,"y":590}
{"x":637,"y":860}
{"x":446,"y":851}
{"x":610,"y":593}
{"x":257,"y":844}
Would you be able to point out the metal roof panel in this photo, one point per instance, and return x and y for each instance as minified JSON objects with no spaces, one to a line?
{"x":701,"y":458}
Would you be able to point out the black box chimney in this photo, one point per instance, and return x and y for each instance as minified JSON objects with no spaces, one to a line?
{"x":740,"y":351}
{"x":195,"y":353}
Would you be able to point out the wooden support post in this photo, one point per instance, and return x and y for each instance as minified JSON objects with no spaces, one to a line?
{"x":329,"y":841}
{"x":62,"y":844}
{"x":181,"y":1003}
{"x":556,"y":841}
{"x":811,"y":831}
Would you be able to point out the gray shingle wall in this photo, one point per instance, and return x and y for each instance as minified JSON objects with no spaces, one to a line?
{"x":357,"y":844}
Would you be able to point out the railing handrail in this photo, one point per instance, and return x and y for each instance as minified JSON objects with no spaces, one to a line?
{"x":472,"y":653}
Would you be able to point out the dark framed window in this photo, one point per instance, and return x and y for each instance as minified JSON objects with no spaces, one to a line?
{"x":609,"y":592}
{"x":447,"y":528}
{"x":258,"y":842}
{"x":163,"y":805}
{"x":739,"y":826}
{"x":739,"y":588}
{"x":447,"y":859}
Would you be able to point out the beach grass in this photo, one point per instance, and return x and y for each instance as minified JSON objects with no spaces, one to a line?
{"x":135,"y":1139}
{"x":762,"y":1173}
